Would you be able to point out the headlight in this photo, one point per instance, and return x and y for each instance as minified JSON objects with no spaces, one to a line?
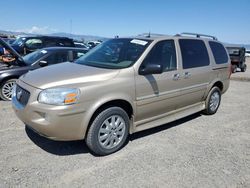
{"x":59,"y":96}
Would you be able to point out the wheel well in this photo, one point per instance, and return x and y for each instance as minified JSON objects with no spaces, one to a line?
{"x":8,"y":78}
{"x":219,"y":85}
{"x":125,"y":105}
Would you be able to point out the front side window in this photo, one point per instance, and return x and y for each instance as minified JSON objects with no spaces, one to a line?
{"x":57,"y":57}
{"x":31,"y":58}
{"x":164,"y":54}
{"x":115,"y":53}
{"x":219,"y":52}
{"x":194,"y":53}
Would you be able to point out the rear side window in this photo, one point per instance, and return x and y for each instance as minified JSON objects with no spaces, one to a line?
{"x":194,"y":53}
{"x":219,"y":52}
{"x":78,"y":54}
{"x":68,"y":43}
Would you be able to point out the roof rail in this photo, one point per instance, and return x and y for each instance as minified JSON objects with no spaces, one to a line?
{"x":148,"y":35}
{"x":199,"y":35}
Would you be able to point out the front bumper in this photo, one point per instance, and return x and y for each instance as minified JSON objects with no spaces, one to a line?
{"x":54,"y":122}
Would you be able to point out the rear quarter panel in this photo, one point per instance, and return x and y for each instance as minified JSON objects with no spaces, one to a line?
{"x":219,"y":72}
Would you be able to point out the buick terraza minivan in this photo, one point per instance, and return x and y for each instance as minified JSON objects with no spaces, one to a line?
{"x":123,"y":86}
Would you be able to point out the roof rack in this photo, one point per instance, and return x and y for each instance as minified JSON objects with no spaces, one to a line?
{"x":199,"y":35}
{"x":148,"y":35}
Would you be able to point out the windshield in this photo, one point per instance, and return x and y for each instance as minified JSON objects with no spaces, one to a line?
{"x":19,"y":41}
{"x":34,"y":56}
{"x":115,"y":53}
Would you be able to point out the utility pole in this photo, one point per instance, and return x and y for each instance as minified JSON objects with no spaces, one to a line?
{"x":71,"y":26}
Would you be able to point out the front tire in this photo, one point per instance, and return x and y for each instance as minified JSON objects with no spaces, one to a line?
{"x":213,"y":101}
{"x":234,"y":68}
{"x":6,"y":89}
{"x":108,"y":131}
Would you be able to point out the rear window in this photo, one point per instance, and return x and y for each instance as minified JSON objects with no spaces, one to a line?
{"x":219,"y":52}
{"x":194,"y":53}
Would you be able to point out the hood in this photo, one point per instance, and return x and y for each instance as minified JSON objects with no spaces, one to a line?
{"x":8,"y":47}
{"x":5,"y":68}
{"x":66,"y":74}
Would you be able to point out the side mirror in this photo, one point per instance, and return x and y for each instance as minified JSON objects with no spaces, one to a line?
{"x":43,"y":63}
{"x":150,"y":69}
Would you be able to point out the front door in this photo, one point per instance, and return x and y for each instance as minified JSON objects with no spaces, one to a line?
{"x":157,"y":94}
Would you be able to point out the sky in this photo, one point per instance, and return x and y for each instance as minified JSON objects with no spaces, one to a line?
{"x":228,"y":20}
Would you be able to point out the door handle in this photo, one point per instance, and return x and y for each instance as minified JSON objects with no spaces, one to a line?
{"x":187,"y":75}
{"x":176,"y":76}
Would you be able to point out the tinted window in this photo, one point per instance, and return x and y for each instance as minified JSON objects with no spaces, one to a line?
{"x":34,"y":56}
{"x":50,"y":43}
{"x":194,"y":53}
{"x":57,"y":57}
{"x":78,"y":54}
{"x":65,"y":43}
{"x":219,"y":52}
{"x":58,"y":42}
{"x":163,"y":53}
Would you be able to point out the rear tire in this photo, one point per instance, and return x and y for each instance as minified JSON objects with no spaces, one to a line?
{"x":213,"y":101}
{"x":234,"y":68}
{"x":108,"y":132}
{"x":244,"y":68}
{"x":6,"y":89}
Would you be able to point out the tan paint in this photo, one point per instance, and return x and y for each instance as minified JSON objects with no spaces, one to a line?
{"x":155,"y":99}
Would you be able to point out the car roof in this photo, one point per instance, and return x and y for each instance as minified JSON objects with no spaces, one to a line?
{"x":44,"y":36}
{"x":165,"y":37}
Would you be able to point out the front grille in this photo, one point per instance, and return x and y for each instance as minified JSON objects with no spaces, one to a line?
{"x":22,"y":95}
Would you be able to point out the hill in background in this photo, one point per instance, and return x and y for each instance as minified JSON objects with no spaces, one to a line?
{"x":74,"y":36}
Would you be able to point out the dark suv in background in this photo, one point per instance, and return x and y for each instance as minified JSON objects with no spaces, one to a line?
{"x":237,"y":56}
{"x":26,"y":44}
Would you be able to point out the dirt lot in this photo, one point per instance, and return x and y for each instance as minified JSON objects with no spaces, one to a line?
{"x":242,"y":76}
{"x":197,"y":151}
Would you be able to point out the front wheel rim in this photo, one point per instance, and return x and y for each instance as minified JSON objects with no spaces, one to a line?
{"x":214,"y":101}
{"x":7,"y":90}
{"x":112,"y":132}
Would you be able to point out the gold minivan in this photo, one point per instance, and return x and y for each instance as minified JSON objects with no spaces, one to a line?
{"x":123,"y":86}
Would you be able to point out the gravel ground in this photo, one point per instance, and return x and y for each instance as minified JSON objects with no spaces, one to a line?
{"x":197,"y":151}
{"x":242,"y":76}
